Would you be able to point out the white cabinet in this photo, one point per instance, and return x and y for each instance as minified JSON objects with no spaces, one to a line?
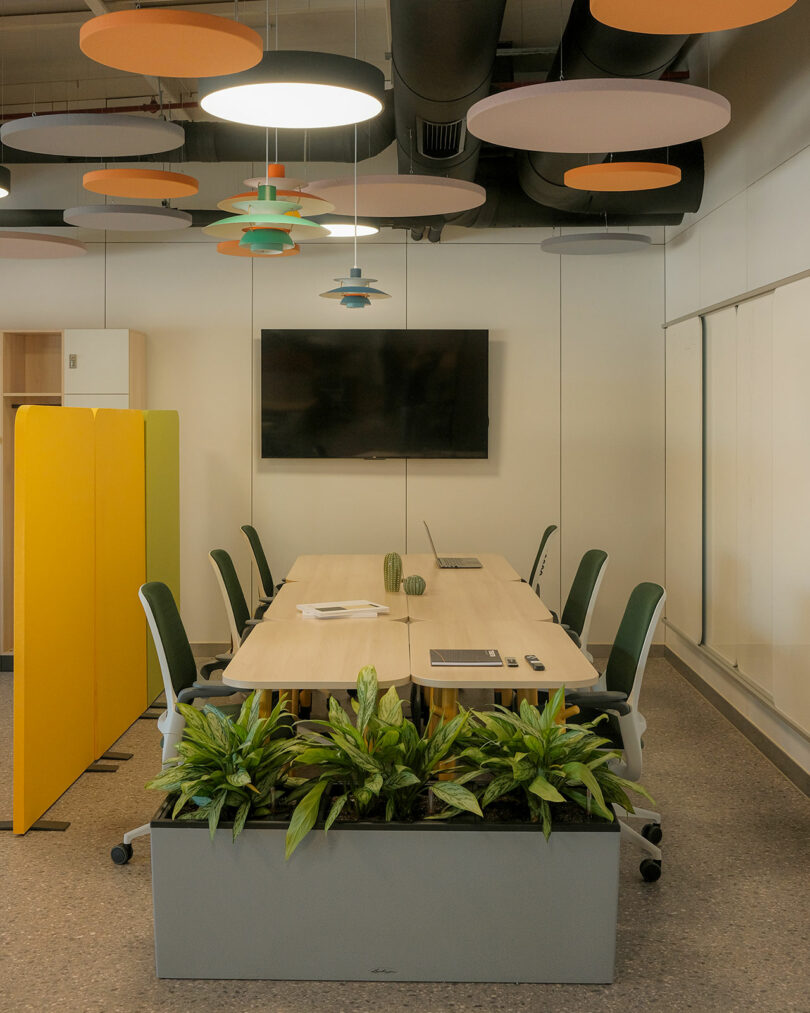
{"x":98,"y":364}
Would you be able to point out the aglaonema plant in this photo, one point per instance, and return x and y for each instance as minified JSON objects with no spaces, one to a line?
{"x":540,"y":763}
{"x":379,"y":765}
{"x":230,"y":768}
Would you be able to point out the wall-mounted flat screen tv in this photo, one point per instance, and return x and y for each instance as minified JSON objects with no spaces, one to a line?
{"x":367,"y":393}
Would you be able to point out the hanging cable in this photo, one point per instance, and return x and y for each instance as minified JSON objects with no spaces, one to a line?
{"x":355,"y":186}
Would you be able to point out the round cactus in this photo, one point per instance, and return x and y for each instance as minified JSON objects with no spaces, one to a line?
{"x":414,"y":584}
{"x":392,"y":571}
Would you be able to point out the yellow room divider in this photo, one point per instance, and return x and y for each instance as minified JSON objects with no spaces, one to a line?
{"x":54,"y":618}
{"x":120,"y":660}
{"x":96,"y":514}
{"x":162,"y":453}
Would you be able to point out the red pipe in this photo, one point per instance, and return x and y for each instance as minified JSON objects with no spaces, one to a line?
{"x":146,"y":107}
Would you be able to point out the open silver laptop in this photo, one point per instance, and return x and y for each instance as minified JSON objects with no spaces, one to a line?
{"x":453,"y":562}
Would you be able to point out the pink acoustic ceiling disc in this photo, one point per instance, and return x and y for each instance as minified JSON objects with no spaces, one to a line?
{"x":403,"y":196}
{"x":38,"y":246}
{"x":598,"y":114}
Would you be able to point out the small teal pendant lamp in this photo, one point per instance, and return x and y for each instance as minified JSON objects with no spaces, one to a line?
{"x":355,"y":292}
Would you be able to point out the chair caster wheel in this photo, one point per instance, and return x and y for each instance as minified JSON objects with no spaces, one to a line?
{"x":121,"y":854}
{"x":650,"y":870}
{"x":652,"y":832}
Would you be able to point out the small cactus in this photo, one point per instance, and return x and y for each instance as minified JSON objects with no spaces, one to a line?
{"x":414,"y":584}
{"x":392,"y":571}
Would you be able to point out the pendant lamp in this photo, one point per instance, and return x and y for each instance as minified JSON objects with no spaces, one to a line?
{"x":598,"y":114}
{"x":612,"y":177}
{"x":355,"y":292}
{"x":343,"y":230}
{"x":296,"y":90}
{"x":142,"y":184}
{"x":685,"y":17}
{"x":233,"y":248}
{"x":268,"y":231}
{"x":277,"y":175}
{"x":5,"y":181}
{"x":170,"y":43}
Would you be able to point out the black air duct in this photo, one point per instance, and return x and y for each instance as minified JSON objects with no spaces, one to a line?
{"x":443,"y":54}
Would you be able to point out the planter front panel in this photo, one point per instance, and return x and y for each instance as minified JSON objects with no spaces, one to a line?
{"x":386,"y":904}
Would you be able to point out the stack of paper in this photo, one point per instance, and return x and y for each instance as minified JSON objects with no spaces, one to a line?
{"x":358,"y":609}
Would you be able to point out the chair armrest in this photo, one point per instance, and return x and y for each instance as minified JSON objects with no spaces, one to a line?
{"x":574,"y":636}
{"x":602,"y":701}
{"x":265,"y":599}
{"x":554,"y":617}
{"x":253,"y":622}
{"x":203,"y":690}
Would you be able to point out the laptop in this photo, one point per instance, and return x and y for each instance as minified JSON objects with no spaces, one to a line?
{"x":453,"y":562}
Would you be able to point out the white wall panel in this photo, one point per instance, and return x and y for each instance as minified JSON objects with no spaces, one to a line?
{"x":683,"y":273}
{"x":791,"y":502}
{"x":684,"y":477}
{"x":53,"y":294}
{"x":723,"y":266}
{"x":504,"y":503}
{"x":612,"y":390}
{"x":194,"y":307}
{"x":754,"y":489}
{"x":721,"y":482}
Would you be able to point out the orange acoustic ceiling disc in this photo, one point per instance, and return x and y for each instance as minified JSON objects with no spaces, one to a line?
{"x":232,"y":248}
{"x":613,"y":176}
{"x":684,"y":17}
{"x":170,"y":43}
{"x":140,"y":183}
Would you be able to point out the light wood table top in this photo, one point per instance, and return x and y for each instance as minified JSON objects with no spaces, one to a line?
{"x":323,"y":654}
{"x":565,"y":664}
{"x":300,"y":591}
{"x":485,"y":600}
{"x":329,"y":568}
{"x":424,"y":563}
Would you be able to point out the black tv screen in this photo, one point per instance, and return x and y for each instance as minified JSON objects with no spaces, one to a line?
{"x":366,"y":393}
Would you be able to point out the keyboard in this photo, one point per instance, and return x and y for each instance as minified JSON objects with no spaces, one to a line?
{"x":458,"y":562}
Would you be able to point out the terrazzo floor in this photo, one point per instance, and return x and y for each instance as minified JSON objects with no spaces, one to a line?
{"x":727,"y":927}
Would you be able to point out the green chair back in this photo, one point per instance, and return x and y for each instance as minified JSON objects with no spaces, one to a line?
{"x":581,"y":595}
{"x":540,"y":552}
{"x":631,"y":647}
{"x":233,"y":589}
{"x":262,"y":565}
{"x":171,"y":643}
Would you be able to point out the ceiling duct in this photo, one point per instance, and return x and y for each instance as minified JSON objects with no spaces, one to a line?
{"x":443,"y":55}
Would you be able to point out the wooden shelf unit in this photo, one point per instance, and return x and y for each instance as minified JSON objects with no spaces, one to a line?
{"x":111,"y":373}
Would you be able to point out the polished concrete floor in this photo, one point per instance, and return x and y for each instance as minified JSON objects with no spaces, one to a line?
{"x":727,"y":928}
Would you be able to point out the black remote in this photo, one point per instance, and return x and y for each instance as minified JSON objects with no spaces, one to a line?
{"x":535,"y":662}
{"x":511,"y":662}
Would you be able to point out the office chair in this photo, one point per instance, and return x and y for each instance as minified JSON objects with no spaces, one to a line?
{"x":579,"y":605}
{"x":239,"y":622}
{"x":540,"y":559}
{"x":179,"y":671}
{"x":265,"y":576}
{"x":626,"y":725}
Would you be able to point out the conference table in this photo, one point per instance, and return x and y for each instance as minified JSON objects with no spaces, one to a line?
{"x":486,"y":608}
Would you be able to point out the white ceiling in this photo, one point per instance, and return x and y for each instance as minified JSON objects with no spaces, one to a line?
{"x":42,"y":68}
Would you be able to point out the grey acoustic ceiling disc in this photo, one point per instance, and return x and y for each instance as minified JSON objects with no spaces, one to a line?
{"x":127,"y":218}
{"x":596,"y":243}
{"x":95,"y":135}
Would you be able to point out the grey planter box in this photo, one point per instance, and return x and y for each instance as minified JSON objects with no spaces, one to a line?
{"x":395,"y":902}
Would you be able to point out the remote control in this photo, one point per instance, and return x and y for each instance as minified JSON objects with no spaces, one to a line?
{"x":512,"y":662}
{"x":535,"y":662}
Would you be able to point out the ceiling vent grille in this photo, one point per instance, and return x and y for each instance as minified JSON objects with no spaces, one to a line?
{"x":440,"y":140}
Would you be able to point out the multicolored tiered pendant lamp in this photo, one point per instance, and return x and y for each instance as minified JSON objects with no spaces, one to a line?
{"x":264,"y":226}
{"x":355,"y":292}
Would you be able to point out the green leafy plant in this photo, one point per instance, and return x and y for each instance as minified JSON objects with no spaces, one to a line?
{"x":533,"y":760}
{"x":231,"y":769}
{"x":379,"y":766}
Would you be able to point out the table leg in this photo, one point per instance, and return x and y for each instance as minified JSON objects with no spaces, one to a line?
{"x":266,"y":701}
{"x":529,"y":695}
{"x":443,"y":705}
{"x":566,"y":712}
